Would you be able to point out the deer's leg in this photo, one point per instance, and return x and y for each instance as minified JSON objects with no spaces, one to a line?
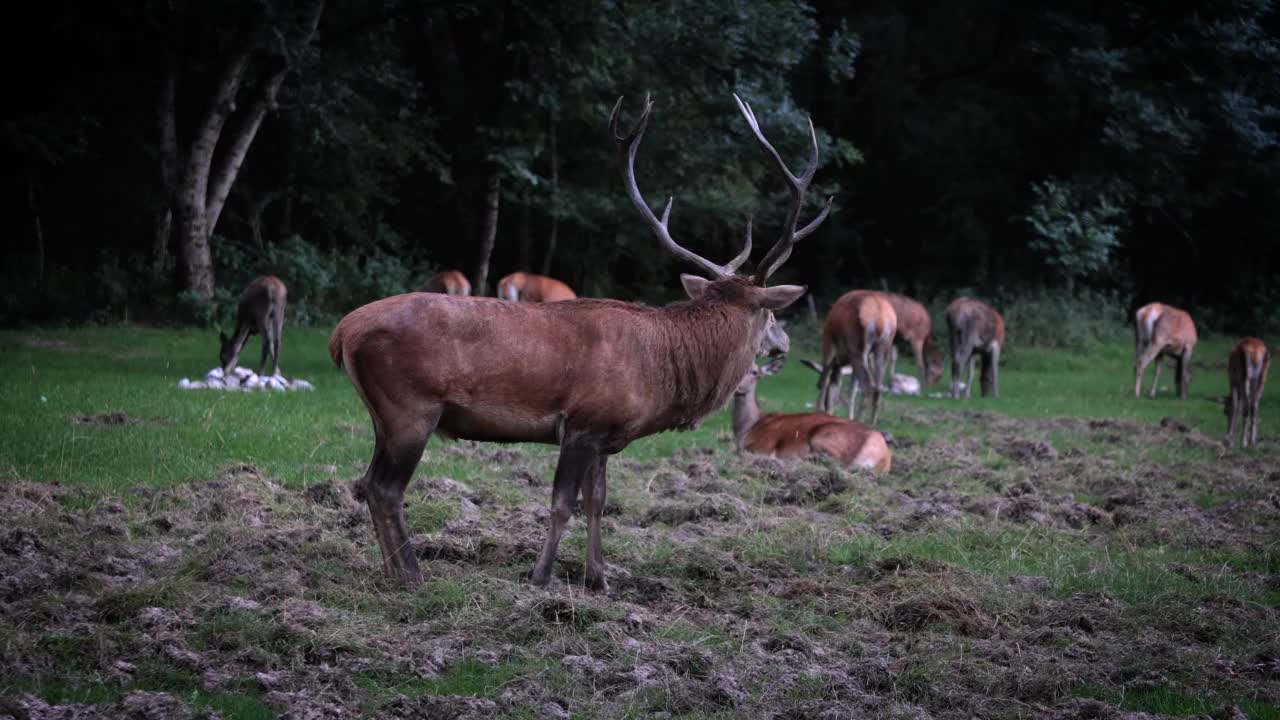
{"x":995,"y":369}
{"x":958,"y":360}
{"x":893,"y":360}
{"x":577,"y":463}
{"x":861,"y":379}
{"x":824,"y":386}
{"x":1233,"y":413}
{"x":267,"y":333}
{"x":396,"y":454}
{"x":593,"y":497}
{"x":1149,"y":353}
{"x":879,"y":358}
{"x":917,"y":349}
{"x":972,"y":361}
{"x":277,"y":327}
{"x":1184,"y":374}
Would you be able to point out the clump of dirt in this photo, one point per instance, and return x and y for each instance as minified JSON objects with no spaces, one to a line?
{"x":807,"y":483}
{"x":1027,"y":451}
{"x":719,"y":507}
{"x":951,"y":610}
{"x":1047,"y":510}
{"x":111,"y":418}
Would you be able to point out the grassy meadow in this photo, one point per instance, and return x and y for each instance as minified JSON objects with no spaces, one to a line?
{"x":1062,"y":551}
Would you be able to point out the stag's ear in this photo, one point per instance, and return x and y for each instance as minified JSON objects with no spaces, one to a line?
{"x":694,"y":285}
{"x":780,"y":296}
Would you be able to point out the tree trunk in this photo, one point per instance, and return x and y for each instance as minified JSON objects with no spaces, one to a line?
{"x":197,"y":262}
{"x":526,"y":236}
{"x":554,"y":235}
{"x":37,"y":226}
{"x":160,"y":248}
{"x":489,"y":231}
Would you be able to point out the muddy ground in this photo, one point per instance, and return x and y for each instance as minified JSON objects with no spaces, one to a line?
{"x":1059,"y":568}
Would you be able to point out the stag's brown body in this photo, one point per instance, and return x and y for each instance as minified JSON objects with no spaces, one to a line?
{"x":1247,"y":367}
{"x":858,"y":332}
{"x":528,"y":287}
{"x":1163,"y":331}
{"x":915,"y":328}
{"x":260,"y":311}
{"x":448,"y":282}
{"x":588,"y":375}
{"x":976,"y":331}
{"x":798,"y":435}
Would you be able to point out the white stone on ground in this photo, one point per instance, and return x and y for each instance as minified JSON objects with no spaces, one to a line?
{"x":244,"y":379}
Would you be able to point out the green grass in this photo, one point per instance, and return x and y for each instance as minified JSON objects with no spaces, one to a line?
{"x":303,"y":437}
{"x":1171,"y":701}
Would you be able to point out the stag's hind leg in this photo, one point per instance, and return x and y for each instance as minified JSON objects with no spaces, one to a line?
{"x":396,"y":453}
{"x":577,"y":465}
{"x":593,"y":498}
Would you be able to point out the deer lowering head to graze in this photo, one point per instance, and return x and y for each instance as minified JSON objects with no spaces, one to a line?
{"x":1247,"y":367}
{"x":528,"y":287}
{"x":976,"y":331}
{"x":858,"y":332}
{"x":448,"y":282}
{"x":588,"y":375}
{"x":797,"y":435}
{"x":260,"y":311}
{"x":1163,"y":331}
{"x":915,"y":329}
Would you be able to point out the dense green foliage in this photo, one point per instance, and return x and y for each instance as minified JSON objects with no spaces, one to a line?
{"x":1010,"y":150}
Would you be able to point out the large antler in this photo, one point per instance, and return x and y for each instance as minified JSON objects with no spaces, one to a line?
{"x":627,"y":145}
{"x":797,"y":186}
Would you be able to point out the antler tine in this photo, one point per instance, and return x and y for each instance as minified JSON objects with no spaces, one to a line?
{"x":735,"y":263}
{"x":796,"y":186}
{"x":627,"y":146}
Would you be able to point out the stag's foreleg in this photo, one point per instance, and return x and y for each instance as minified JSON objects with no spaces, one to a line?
{"x":961,"y":353}
{"x":577,"y":465}
{"x":827,"y":401}
{"x":1149,"y":353}
{"x":593,"y":499}
{"x":396,"y":452}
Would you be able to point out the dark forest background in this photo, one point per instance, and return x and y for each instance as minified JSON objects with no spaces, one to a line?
{"x":158,"y":153}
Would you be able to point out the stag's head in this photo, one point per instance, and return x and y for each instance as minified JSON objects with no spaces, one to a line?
{"x":721,"y":282}
{"x":227,"y":352}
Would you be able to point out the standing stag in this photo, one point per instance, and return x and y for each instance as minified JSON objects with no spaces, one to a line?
{"x":858,"y":332}
{"x":588,"y":375}
{"x":448,"y":282}
{"x":797,"y":435}
{"x":1247,"y":370}
{"x":1163,"y":331}
{"x":916,"y":330}
{"x":976,"y":330}
{"x":528,"y":287}
{"x":260,"y":311}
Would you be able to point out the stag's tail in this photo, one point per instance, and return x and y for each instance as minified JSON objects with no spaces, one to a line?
{"x":335,"y":346}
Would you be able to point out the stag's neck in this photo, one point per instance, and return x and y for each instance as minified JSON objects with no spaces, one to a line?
{"x":746,"y":413}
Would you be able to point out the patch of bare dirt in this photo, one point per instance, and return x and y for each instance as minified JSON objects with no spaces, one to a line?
{"x":111,"y":418}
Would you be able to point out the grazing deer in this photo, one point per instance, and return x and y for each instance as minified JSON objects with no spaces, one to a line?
{"x":916,"y":330}
{"x":449,"y":282}
{"x":858,"y":332}
{"x":797,"y":435}
{"x":260,"y":311}
{"x":1247,"y":370}
{"x":976,"y":329}
{"x":1163,"y":331}
{"x":528,"y":287}
{"x":588,"y":375}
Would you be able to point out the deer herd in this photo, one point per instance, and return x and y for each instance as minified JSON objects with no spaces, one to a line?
{"x":445,"y":362}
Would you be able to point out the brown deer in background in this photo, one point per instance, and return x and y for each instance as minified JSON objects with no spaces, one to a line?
{"x":858,"y":332}
{"x":260,"y":311}
{"x":1247,"y":367}
{"x":528,"y":287}
{"x":588,"y":375}
{"x":916,"y":330}
{"x":448,"y":282}
{"x":797,"y":435}
{"x":976,"y":330}
{"x":1163,"y":331}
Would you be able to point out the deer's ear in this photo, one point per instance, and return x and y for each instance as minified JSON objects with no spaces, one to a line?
{"x":780,"y":296}
{"x":693,"y":285}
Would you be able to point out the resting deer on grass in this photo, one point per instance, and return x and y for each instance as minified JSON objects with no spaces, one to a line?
{"x":260,"y":311}
{"x":916,"y":330}
{"x":588,"y":375}
{"x":528,"y":287}
{"x":797,"y":435}
{"x":1163,"y":331}
{"x":448,"y":282}
{"x":976,"y":330}
{"x":1247,"y":367}
{"x":858,"y":332}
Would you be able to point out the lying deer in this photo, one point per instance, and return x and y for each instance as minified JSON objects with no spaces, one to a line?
{"x":1163,"y":331}
{"x":588,"y":375}
{"x":976,"y":330}
{"x":1247,"y":367}
{"x":260,"y":311}
{"x":916,"y":330}
{"x":449,"y":282}
{"x":528,"y":287}
{"x":858,"y":332}
{"x":797,"y":435}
